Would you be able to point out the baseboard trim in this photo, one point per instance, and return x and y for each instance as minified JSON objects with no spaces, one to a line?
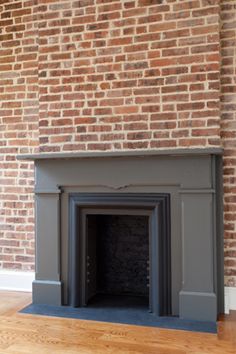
{"x":230,"y":299}
{"x":16,"y":281}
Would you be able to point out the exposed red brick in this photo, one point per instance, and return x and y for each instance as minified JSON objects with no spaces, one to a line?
{"x":19,"y":119}
{"x":228,"y":133}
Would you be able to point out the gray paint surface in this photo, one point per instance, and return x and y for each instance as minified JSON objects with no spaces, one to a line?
{"x":198,"y":306}
{"x":123,"y":153}
{"x":197,"y":256}
{"x":187,"y":172}
{"x":193,"y":227}
{"x":47,"y":237}
{"x":47,"y":292}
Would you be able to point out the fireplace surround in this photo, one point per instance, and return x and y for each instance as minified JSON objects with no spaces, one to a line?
{"x":180,"y":191}
{"x":81,"y":247}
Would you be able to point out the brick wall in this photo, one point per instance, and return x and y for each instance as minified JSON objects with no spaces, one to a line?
{"x":81,"y":75}
{"x":128,"y":74}
{"x":228,"y":127}
{"x":18,"y":131}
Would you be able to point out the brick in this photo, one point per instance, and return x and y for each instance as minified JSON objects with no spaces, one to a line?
{"x":126,"y":109}
{"x":105,"y":75}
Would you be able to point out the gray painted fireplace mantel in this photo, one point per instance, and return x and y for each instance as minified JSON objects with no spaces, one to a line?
{"x":193,"y":180}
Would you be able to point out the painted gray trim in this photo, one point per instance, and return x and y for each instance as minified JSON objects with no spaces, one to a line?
{"x":197,"y":191}
{"x":48,"y":237}
{"x":47,"y":191}
{"x":219,"y":233}
{"x":47,"y":292}
{"x":175,"y":237}
{"x":127,"y":153}
{"x":198,"y":306}
{"x":189,"y":172}
{"x":160,"y":255}
{"x":139,"y":174}
{"x":197,"y":231}
{"x":155,"y":266}
{"x":198,"y":257}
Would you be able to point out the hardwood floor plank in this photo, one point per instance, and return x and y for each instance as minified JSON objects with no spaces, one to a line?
{"x":29,"y":334}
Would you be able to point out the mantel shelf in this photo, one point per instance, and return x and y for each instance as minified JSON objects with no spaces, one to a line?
{"x":123,"y":153}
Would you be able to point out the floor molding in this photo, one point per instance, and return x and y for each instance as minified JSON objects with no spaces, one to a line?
{"x":230,"y":299}
{"x":16,"y":281}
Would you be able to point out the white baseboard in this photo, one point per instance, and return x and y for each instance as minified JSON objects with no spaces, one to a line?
{"x":230,"y":299}
{"x":17,"y":281}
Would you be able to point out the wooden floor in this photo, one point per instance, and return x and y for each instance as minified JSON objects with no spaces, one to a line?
{"x":22,"y":333}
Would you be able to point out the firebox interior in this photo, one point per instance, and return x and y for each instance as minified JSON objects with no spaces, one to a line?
{"x":117,"y":259}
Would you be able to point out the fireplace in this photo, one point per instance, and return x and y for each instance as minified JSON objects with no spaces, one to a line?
{"x":119,"y":245}
{"x":86,"y":205}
